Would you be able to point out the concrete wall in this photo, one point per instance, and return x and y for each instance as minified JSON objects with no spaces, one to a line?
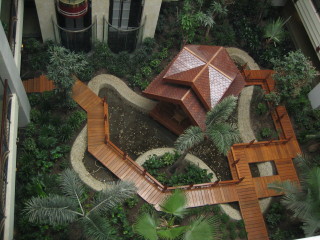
{"x":11,"y":176}
{"x":314,"y":97}
{"x":100,"y":8}
{"x":8,"y":70}
{"x":19,"y":33}
{"x":46,"y":11}
{"x":151,"y":11}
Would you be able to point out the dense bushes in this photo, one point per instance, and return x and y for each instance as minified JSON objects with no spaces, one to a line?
{"x":42,"y":148}
{"x":156,"y":166}
{"x":137,"y":68}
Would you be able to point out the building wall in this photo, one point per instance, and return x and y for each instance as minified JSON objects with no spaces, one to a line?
{"x":150,"y":12}
{"x":100,"y":9}
{"x":9,"y":70}
{"x":46,"y":13}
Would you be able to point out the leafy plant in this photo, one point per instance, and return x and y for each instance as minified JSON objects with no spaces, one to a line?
{"x":262,"y":109}
{"x":274,"y":31}
{"x":266,"y":132}
{"x":56,"y":209}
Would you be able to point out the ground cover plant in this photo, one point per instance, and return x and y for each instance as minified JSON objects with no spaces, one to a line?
{"x":158,"y":167}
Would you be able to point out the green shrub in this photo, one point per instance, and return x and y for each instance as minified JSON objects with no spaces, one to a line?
{"x":29,"y":144}
{"x":132,"y":202}
{"x":47,"y":142}
{"x":224,"y":35}
{"x":146,"y":71}
{"x":76,"y":119}
{"x":266,"y":132}
{"x":262,"y":109}
{"x":66,"y":132}
{"x":224,"y":218}
{"x":274,"y":215}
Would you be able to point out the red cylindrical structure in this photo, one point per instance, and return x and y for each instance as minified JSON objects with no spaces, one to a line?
{"x":73,"y":10}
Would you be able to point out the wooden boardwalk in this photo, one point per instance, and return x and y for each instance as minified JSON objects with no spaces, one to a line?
{"x":243,"y":188}
{"x":38,"y":85}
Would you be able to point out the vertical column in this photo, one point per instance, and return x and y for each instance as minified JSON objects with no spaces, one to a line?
{"x":100,"y":8}
{"x":19,"y":33}
{"x":150,"y":12}
{"x":46,"y":12}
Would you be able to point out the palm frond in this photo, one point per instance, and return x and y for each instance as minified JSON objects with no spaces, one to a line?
{"x":223,"y":135}
{"x":222,"y":111}
{"x":54,"y":210}
{"x":98,"y":228}
{"x":114,"y":195}
{"x":202,"y":228}
{"x":191,"y":136}
{"x":175,"y":204}
{"x":274,"y":30}
{"x":71,"y":184}
{"x":172,"y":233}
{"x":311,"y":225}
{"x":146,"y":227}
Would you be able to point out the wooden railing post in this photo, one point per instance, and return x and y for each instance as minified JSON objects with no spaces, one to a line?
{"x":250,"y":143}
{"x":216,"y":183}
{"x":124,"y":156}
{"x":164,"y":188}
{"x":106,"y":140}
{"x":190,"y":186}
{"x":144,"y":172}
{"x":240,"y":179}
{"x":287,"y":139}
{"x":236,"y":162}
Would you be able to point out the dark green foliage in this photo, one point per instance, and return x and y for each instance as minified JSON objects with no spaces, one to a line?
{"x":118,"y":218}
{"x":262,"y":109}
{"x":224,"y":35}
{"x":192,"y":174}
{"x":76,"y":119}
{"x":36,"y":53}
{"x":266,"y":132}
{"x":132,"y":202}
{"x":274,"y":216}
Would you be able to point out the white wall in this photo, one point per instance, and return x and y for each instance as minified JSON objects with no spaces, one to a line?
{"x":46,"y":11}
{"x":151,"y":11}
{"x":100,"y":8}
{"x":19,"y":32}
{"x":11,"y":176}
{"x":8,"y":70}
{"x":314,"y":97}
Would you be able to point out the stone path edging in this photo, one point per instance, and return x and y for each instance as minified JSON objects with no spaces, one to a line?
{"x":106,"y":80}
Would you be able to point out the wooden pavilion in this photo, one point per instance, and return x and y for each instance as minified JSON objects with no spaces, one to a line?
{"x":194,"y":82}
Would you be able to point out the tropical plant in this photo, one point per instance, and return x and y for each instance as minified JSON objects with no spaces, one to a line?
{"x":75,"y":205}
{"x":221,"y":133}
{"x":274,"y":31}
{"x":304,"y":200}
{"x":151,"y":227}
{"x":63,"y":64}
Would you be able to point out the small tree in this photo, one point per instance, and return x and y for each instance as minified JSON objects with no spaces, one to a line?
{"x":64,"y":64}
{"x":221,"y":133}
{"x":152,"y":228}
{"x":292,"y":74}
{"x":74,"y":206}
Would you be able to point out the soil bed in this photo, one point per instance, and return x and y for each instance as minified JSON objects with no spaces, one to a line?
{"x":261,"y":122}
{"x":135,"y":133}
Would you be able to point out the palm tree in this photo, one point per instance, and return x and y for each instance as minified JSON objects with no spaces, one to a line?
{"x":303,"y":201}
{"x":221,"y":133}
{"x":151,"y":228}
{"x":70,"y":207}
{"x":274,"y":31}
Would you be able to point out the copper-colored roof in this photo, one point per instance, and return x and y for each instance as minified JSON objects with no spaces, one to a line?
{"x":197,"y":79}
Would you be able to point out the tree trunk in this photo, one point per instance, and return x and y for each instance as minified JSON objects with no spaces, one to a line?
{"x":208,"y":31}
{"x":180,"y":164}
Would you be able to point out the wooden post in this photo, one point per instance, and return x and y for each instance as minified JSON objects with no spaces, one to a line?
{"x":236,"y":162}
{"x":144,"y":172}
{"x":250,"y":143}
{"x":247,"y":76}
{"x":124,"y":156}
{"x":240,"y":179}
{"x":280,"y":117}
{"x":243,"y":67}
{"x":190,"y":186}
{"x":106,"y":140}
{"x":287,"y":139}
{"x":216,"y":183}
{"x":164,"y":188}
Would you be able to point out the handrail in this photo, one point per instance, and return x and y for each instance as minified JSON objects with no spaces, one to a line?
{"x":13,"y":25}
{"x":75,"y":31}
{"x":3,"y":116}
{"x":126,"y":30}
{"x":106,"y":120}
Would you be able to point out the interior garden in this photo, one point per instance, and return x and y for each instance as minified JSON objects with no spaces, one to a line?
{"x":43,"y":161}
